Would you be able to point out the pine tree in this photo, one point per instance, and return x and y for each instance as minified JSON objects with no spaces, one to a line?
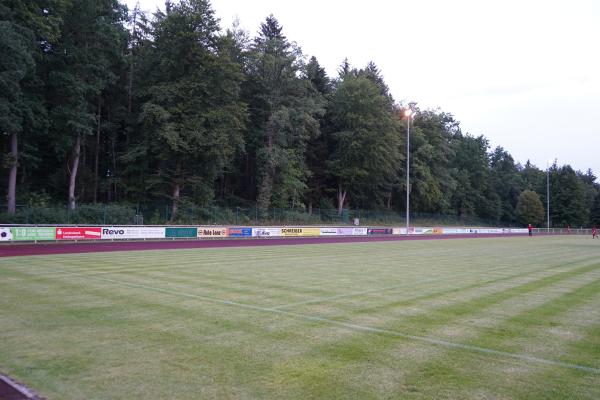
{"x":193,"y":115}
{"x":285,"y":112}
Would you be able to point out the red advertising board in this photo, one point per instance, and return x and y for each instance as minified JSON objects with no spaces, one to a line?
{"x":70,"y":233}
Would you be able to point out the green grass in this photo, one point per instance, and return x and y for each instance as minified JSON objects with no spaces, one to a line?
{"x":509,"y":318}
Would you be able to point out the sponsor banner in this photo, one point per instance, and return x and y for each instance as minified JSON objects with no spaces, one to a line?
{"x":438,"y":231}
{"x":239,"y":232}
{"x":289,"y":232}
{"x":380,"y":231}
{"x":345,"y":231}
{"x":398,"y":231}
{"x":76,"y":233}
{"x":266,"y":232}
{"x":486,"y":230}
{"x":128,"y":232}
{"x":5,"y":234}
{"x":422,"y":231}
{"x":212,"y":232}
{"x":329,"y":231}
{"x":31,"y":234}
{"x":360,"y":231}
{"x":181,"y":232}
{"x":455,"y":231}
{"x":518,"y":230}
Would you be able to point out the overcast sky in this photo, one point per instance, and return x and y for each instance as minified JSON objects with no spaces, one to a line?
{"x":524,"y":73}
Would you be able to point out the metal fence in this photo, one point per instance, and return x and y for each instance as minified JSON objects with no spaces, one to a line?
{"x":190,"y":214}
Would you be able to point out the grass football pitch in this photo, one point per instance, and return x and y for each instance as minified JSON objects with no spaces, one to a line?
{"x":502,"y":318}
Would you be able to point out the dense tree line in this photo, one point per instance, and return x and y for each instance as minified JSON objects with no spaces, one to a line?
{"x":99,"y":103}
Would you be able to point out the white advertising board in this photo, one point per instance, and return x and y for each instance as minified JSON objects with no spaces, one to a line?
{"x":128,"y":232}
{"x":329,"y":231}
{"x":5,"y":234}
{"x":266,"y":232}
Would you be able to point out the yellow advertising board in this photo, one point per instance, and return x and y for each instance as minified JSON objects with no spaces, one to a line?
{"x":288,"y":232}
{"x":438,"y":231}
{"x":212,"y":232}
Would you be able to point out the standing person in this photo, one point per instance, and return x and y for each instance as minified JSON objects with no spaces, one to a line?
{"x":594,"y":233}
{"x":530,"y":229}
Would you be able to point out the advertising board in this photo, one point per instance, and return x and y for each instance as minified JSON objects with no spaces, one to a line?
{"x":437,"y":231}
{"x":130,"y":232}
{"x":181,"y":232}
{"x":33,"y":233}
{"x":295,"y":232}
{"x":329,"y":231}
{"x":344,"y":231}
{"x":239,"y":232}
{"x":5,"y":234}
{"x":212,"y":232}
{"x":359,"y":231}
{"x":266,"y":232}
{"x":76,"y":233}
{"x":380,"y":231}
{"x":422,"y":231}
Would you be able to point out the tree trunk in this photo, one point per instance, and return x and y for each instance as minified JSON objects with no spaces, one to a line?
{"x":175,"y":201}
{"x":341,"y":197}
{"x":265,"y":191}
{"x":97,"y":155}
{"x":73,"y":172}
{"x":12,"y":176}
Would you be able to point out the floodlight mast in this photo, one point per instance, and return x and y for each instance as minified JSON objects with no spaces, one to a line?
{"x":408,"y":113}
{"x":548,"y":196}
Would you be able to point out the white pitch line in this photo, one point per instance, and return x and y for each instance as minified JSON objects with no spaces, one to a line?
{"x":355,"y":327}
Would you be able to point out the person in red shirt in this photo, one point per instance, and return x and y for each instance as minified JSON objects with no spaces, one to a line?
{"x":530,"y":229}
{"x":594,"y":233}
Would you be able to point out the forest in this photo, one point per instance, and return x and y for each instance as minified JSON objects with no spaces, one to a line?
{"x":100,"y":104}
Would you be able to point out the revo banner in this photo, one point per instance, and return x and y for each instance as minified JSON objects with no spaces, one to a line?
{"x":212,"y":232}
{"x":129,"y":232}
{"x":70,"y":233}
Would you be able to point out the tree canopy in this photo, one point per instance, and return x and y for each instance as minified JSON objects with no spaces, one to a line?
{"x":99,"y":103}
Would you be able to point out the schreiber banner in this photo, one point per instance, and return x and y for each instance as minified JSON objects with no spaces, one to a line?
{"x":128,"y":232}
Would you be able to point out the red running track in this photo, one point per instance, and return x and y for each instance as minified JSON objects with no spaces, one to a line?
{"x":12,"y":249}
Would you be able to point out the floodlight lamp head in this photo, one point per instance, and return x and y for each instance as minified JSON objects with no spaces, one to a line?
{"x":408,"y":112}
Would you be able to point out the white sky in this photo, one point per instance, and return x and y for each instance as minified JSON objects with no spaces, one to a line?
{"x":524,"y":73}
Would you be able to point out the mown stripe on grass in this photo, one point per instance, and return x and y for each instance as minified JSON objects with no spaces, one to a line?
{"x":360,"y":328}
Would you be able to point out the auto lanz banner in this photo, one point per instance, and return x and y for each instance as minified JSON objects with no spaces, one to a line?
{"x":212,"y":232}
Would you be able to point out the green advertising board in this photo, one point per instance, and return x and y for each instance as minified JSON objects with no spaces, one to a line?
{"x":181,"y":232}
{"x":33,"y":233}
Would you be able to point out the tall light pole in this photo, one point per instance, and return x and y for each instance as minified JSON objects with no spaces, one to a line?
{"x":548,"y":196}
{"x":408,"y":113}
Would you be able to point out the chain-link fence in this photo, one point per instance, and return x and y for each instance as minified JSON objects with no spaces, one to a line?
{"x":190,"y":214}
